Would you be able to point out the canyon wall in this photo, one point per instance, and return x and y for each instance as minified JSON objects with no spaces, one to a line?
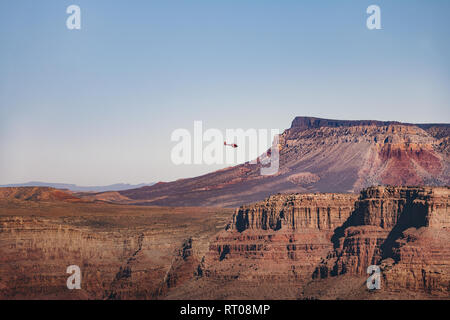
{"x":289,"y":246}
{"x":36,"y":252}
{"x":404,"y":230}
{"x":124,"y":252}
{"x":275,"y":243}
{"x":301,"y":238}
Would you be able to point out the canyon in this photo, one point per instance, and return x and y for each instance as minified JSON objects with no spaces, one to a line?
{"x":319,"y":246}
{"x":123,"y":251}
{"x":288,"y":246}
{"x":348,"y":195}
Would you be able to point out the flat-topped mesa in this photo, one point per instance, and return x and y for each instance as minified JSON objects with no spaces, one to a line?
{"x":376,"y":133}
{"x":295,"y":212}
{"x":318,"y":155}
{"x":404,"y":207}
{"x":312,"y":122}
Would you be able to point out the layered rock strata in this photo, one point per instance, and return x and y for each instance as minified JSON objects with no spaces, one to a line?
{"x":302,"y":237}
{"x":405,"y":231}
{"x":280,"y":239}
{"x":318,"y":155}
{"x":286,"y":247}
{"x":123,"y":252}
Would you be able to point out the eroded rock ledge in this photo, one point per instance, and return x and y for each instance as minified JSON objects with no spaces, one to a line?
{"x":300,"y":237}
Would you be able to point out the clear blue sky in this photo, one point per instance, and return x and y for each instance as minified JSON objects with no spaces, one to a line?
{"x":97,"y":106}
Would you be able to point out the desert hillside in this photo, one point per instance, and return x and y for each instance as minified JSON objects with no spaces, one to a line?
{"x":320,"y":155}
{"x":37,"y":194}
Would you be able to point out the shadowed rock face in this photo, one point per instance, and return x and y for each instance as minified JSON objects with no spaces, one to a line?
{"x":295,"y":212}
{"x":280,"y":239}
{"x":319,"y":155}
{"x":405,"y":230}
{"x":294,"y":239}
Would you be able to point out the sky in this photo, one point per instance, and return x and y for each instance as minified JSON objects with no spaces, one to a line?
{"x":98,"y":105}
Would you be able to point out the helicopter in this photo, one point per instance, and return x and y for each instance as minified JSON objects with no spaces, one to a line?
{"x":233,"y":145}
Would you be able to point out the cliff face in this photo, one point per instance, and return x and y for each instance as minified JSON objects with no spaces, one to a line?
{"x":388,"y":207}
{"x":405,"y":230}
{"x":297,"y":238}
{"x":320,"y":155}
{"x":277,"y":242}
{"x":37,"y":251}
{"x":124,"y":252}
{"x":295,"y":213}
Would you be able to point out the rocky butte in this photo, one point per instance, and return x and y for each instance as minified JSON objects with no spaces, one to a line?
{"x":404,"y":230}
{"x":312,"y":246}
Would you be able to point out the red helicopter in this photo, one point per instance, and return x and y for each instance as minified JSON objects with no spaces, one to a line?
{"x":233,"y":145}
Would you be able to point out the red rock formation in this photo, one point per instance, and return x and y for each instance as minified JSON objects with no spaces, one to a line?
{"x":293,"y":239}
{"x":282,"y":238}
{"x":295,"y":212}
{"x":124,"y":252}
{"x":288,"y":246}
{"x":320,"y":155}
{"x":37,"y":194}
{"x":405,"y":230}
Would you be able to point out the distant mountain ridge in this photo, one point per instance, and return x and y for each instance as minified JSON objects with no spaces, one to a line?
{"x":76,"y":188}
{"x":37,"y":194}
